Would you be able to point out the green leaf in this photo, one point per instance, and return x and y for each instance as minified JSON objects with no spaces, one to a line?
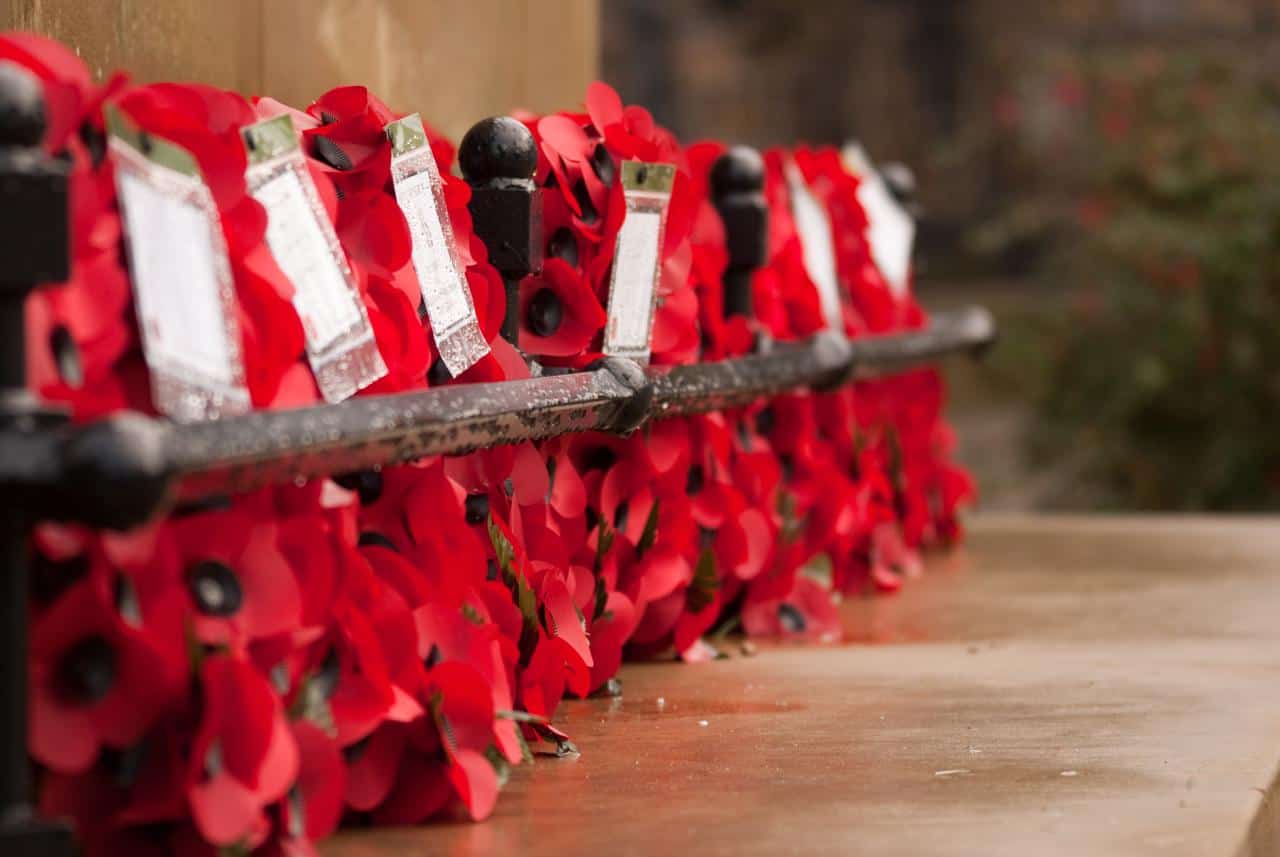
{"x":520,"y":590}
{"x":526,"y":755}
{"x":604,"y":542}
{"x":502,"y":548}
{"x":195,"y":650}
{"x":602,"y":598}
{"x":792,"y":525}
{"x":819,"y":569}
{"x":702,"y":590}
{"x":520,"y":716}
{"x":650,"y":533}
{"x":500,"y":764}
{"x":725,"y":628}
{"x":312,"y":703}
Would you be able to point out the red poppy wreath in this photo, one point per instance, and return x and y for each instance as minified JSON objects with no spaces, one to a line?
{"x":382,"y":646}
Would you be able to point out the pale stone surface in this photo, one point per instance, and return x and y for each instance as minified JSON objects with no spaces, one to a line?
{"x":1069,"y":686}
{"x":454,"y":61}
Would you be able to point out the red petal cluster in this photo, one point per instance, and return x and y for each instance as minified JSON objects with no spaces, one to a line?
{"x":383,"y":646}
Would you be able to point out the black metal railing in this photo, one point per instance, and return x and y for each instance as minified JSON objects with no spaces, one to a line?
{"x":125,"y":469}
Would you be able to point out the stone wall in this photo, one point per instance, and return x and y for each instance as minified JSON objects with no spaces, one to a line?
{"x":455,"y":61}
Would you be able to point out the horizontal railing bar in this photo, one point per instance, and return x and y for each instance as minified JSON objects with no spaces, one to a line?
{"x":971,"y":329}
{"x":118,"y":471}
{"x":819,"y":362}
{"x":241,"y":453}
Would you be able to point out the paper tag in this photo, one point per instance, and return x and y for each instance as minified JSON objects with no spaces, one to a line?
{"x":814,"y":228}
{"x":633,"y":287}
{"x":340,"y":343}
{"x":891,"y":229}
{"x":183,"y":289}
{"x":441,"y":276}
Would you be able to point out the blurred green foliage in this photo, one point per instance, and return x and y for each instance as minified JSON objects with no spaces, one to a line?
{"x":1164,"y":374}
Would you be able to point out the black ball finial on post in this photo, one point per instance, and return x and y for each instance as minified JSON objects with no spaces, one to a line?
{"x":499,"y":158}
{"x":34,"y":245}
{"x":901,"y":181}
{"x":737,"y":188}
{"x":22,"y":119}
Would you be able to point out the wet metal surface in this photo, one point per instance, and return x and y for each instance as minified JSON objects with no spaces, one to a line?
{"x":262,"y":448}
{"x":1068,"y":686}
{"x":242,"y":453}
{"x":80,"y":473}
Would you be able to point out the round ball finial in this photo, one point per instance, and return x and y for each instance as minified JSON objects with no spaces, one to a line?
{"x":900,"y":180}
{"x":739,"y":170}
{"x":497,"y":148}
{"x":22,"y":118}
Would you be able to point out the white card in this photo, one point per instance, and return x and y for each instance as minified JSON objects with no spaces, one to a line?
{"x":184,"y":294}
{"x":448,"y":306}
{"x":341,"y":348}
{"x":321,"y":294}
{"x":633,"y":285}
{"x":814,"y":228}
{"x":631,"y":293}
{"x":441,"y":277}
{"x":891,"y":229}
{"x":171,"y":258}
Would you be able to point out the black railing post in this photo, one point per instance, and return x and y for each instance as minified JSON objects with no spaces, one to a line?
{"x":33,"y":247}
{"x":499,"y":158}
{"x":737,"y":188}
{"x":901,"y":181}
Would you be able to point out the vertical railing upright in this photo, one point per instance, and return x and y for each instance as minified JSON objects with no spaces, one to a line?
{"x":498,"y":158}
{"x":34,"y":249}
{"x":737,"y":189}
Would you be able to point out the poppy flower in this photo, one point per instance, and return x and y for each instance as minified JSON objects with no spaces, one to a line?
{"x":97,"y":679}
{"x":628,"y":131}
{"x":566,"y":627}
{"x":244,"y":756}
{"x":313,"y":806}
{"x":807,"y":612}
{"x":407,"y":773}
{"x":560,"y":315}
{"x":238,"y":583}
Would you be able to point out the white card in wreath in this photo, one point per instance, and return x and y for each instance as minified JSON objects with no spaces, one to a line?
{"x":341,"y":348}
{"x":420,"y":193}
{"x":818,"y":246}
{"x":184,"y":294}
{"x":891,"y":229}
{"x":637,"y":259}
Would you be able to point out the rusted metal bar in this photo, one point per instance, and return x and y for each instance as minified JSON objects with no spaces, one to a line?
{"x":815,"y":363}
{"x":826,"y":361}
{"x":245,"y":452}
{"x":970,"y":330}
{"x":258,"y":449}
{"x":120,"y":471}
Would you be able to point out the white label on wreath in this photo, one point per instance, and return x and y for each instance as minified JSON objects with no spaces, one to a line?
{"x":891,"y":229}
{"x":814,"y":228}
{"x":324,"y":300}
